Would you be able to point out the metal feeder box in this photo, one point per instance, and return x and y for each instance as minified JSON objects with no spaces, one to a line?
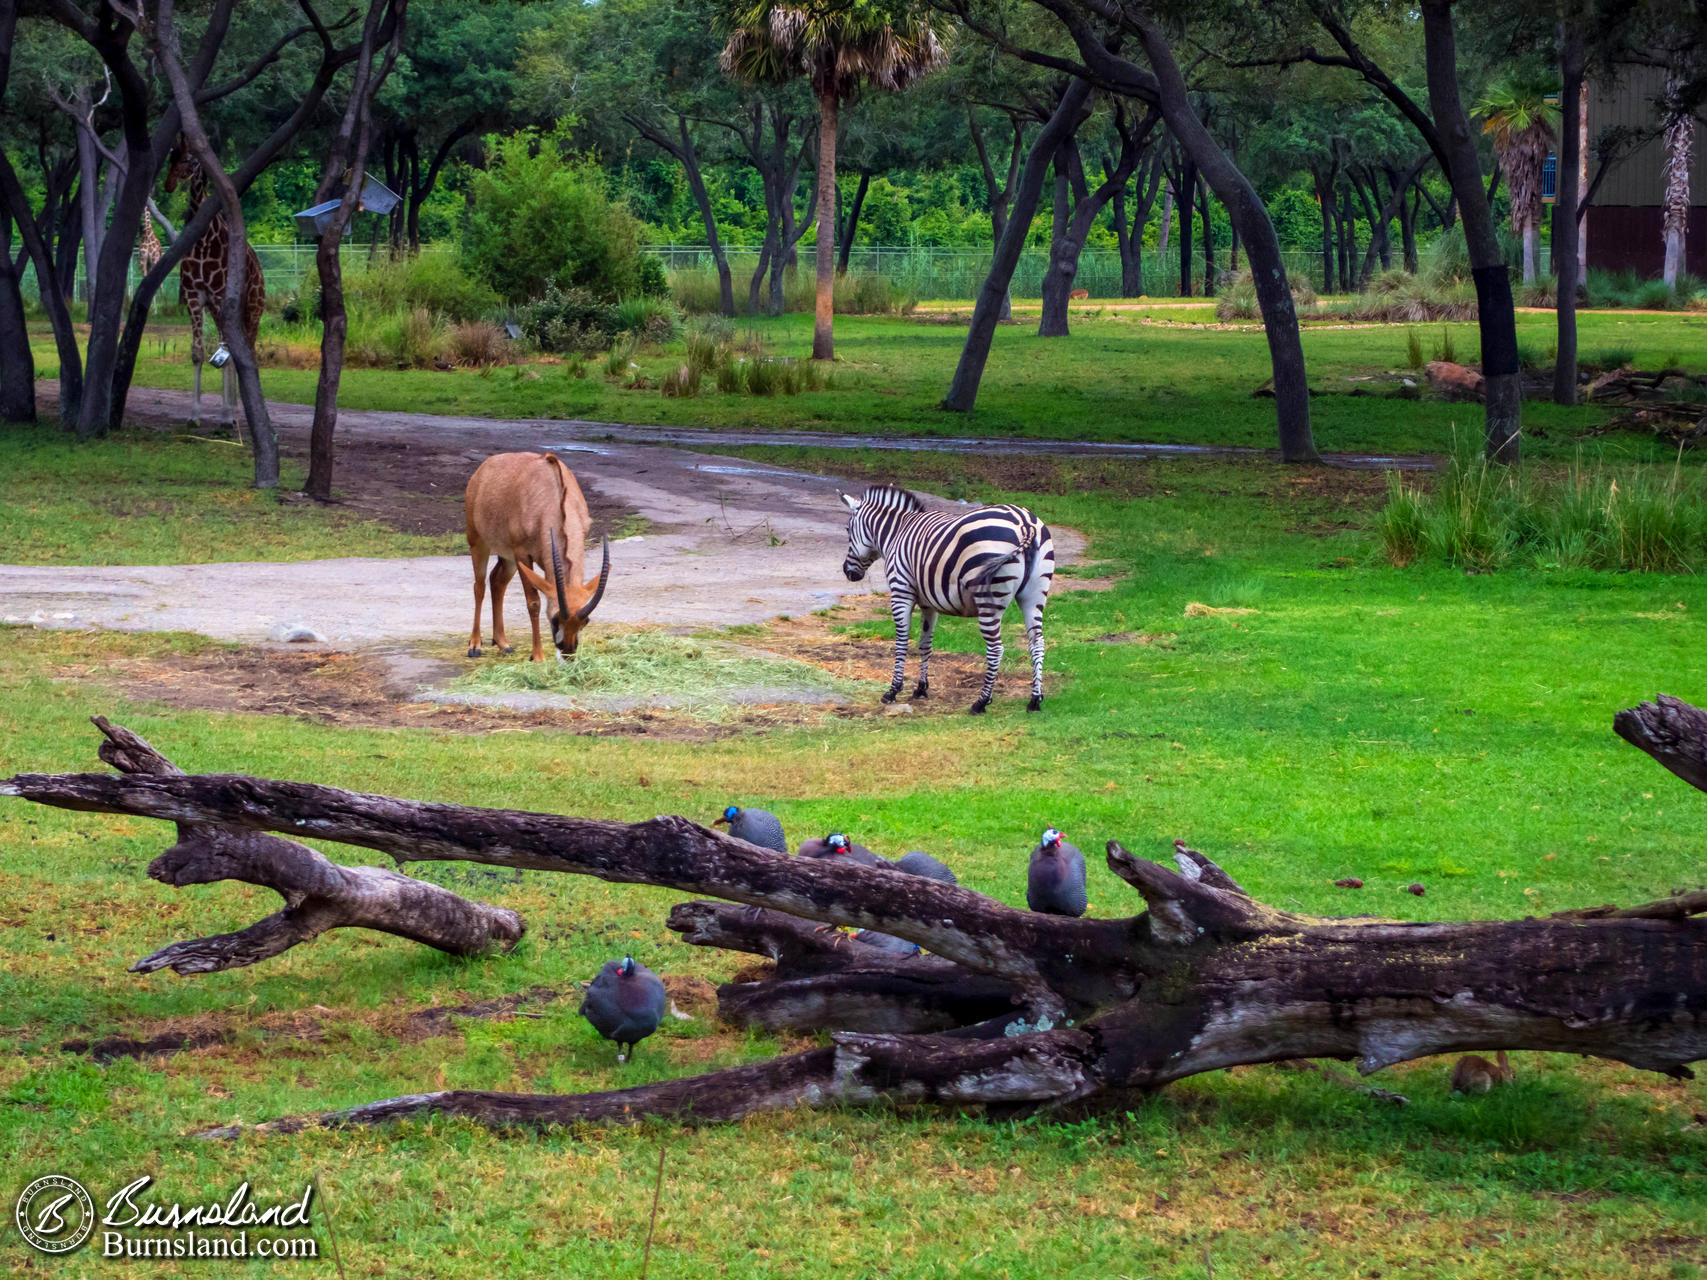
{"x":376,"y":198}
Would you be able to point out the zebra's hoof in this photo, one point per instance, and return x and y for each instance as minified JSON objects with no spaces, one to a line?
{"x":922,"y":691}
{"x":890,"y":696}
{"x":474,"y":651}
{"x":979,"y":706}
{"x":1036,"y":704}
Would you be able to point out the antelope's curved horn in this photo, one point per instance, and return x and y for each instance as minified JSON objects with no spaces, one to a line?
{"x":598,"y":592}
{"x":557,"y":576}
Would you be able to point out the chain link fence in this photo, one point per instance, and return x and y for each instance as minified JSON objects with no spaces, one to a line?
{"x":925,"y":272}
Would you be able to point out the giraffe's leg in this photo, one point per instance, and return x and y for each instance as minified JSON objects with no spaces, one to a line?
{"x":990,"y":626}
{"x":927,"y":628}
{"x":502,"y":572}
{"x":196,"y":360}
{"x":480,"y":556}
{"x":901,"y":609}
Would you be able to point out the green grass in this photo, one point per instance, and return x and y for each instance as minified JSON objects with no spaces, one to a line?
{"x":1149,"y":374}
{"x":1398,"y":725}
{"x":143,"y":498}
{"x":696,"y":674}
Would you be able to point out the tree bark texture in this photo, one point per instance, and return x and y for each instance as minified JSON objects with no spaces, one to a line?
{"x":850,"y":226}
{"x":17,"y":362}
{"x":1566,"y":229}
{"x":824,"y":311}
{"x":1206,"y":977}
{"x":1496,"y":315}
{"x":319,"y":894}
{"x":987,"y":311}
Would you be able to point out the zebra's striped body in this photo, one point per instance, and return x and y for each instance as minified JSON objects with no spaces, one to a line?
{"x":967,"y":564}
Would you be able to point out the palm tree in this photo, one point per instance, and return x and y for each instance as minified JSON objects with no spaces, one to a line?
{"x":1679,"y":135}
{"x":839,"y":47}
{"x":1523,"y":124}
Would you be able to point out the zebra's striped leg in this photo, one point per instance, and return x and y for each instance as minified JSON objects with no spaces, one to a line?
{"x":990,"y":624}
{"x":927,"y":628}
{"x":901,"y":609}
{"x":1034,"y":638}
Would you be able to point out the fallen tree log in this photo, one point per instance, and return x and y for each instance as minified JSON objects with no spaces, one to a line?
{"x":319,"y":894}
{"x":1206,"y":977}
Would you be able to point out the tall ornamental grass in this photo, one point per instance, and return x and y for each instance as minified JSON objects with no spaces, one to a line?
{"x":1589,"y":515}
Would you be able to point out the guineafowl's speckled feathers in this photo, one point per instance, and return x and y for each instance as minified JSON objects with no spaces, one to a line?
{"x":625,"y":1006}
{"x":758,"y":826}
{"x":1056,"y":881}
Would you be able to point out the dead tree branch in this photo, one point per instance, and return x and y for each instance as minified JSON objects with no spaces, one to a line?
{"x":319,"y":894}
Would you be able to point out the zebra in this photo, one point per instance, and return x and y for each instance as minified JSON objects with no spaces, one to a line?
{"x":963,"y":563}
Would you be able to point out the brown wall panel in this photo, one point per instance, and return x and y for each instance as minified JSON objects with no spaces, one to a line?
{"x":1628,"y":238}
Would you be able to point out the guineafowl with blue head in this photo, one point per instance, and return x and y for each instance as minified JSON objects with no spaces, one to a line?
{"x":838,"y":847}
{"x":755,"y":826}
{"x":625,"y":1003}
{"x":918,"y":863}
{"x":1056,"y":882}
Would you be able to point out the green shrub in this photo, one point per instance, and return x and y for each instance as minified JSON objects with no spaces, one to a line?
{"x":683,"y":381}
{"x":1444,"y":349}
{"x":569,"y":320}
{"x":1413,"y":349}
{"x":1238,"y":297}
{"x":1484,"y":515}
{"x":729,"y":373}
{"x":619,"y":358}
{"x":1398,"y":297}
{"x":654,"y":321}
{"x":540,"y":219}
{"x":1609,"y":358}
{"x":413,"y":339}
{"x":434,"y":280}
{"x":696,"y":291}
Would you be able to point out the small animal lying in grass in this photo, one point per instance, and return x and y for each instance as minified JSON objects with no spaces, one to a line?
{"x":1475,"y":1074}
{"x":625,"y":1003}
{"x":1079,"y":295}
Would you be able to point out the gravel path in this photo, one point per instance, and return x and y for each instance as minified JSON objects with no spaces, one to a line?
{"x":731,"y":542}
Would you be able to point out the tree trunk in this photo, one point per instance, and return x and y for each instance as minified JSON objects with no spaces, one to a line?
{"x":689,"y":156}
{"x":1058,"y":279}
{"x":1262,"y":246}
{"x":52,"y":300}
{"x":1531,"y":252}
{"x":1209,"y":283}
{"x":1187,"y":198}
{"x":1565,"y":227}
{"x":963,"y":391}
{"x":1325,"y":199}
{"x":1347,"y":242}
{"x":1679,"y":143}
{"x":824,"y":316}
{"x":1496,"y":315}
{"x":1167,"y":226}
{"x":1205,"y":978}
{"x":757,"y":282}
{"x":1408,"y":209}
{"x":851,"y":228}
{"x":17,"y":363}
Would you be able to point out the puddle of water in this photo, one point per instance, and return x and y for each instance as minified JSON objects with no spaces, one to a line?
{"x":757,"y":471}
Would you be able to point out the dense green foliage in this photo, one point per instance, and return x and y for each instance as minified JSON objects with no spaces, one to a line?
{"x":541,"y":219}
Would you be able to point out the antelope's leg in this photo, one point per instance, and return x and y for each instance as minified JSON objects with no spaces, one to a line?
{"x":502,"y":572}
{"x":532,"y":598}
{"x":480,"y":556}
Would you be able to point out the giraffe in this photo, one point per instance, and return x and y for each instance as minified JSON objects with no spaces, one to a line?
{"x":201,"y":284}
{"x":148,"y":252}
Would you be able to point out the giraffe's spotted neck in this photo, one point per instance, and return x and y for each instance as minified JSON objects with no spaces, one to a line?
{"x":197,"y":189}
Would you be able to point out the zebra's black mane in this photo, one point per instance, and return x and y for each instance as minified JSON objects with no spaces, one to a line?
{"x":893,"y":496}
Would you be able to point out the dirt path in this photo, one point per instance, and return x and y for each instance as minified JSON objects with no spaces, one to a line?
{"x":727,"y":541}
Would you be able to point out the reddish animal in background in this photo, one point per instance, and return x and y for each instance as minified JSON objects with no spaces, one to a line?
{"x":527,"y":510}
{"x":1079,"y":294}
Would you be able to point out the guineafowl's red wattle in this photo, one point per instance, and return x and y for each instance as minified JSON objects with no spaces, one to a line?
{"x":837,"y":846}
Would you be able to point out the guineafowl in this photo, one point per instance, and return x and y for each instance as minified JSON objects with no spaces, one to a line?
{"x":838,"y":846}
{"x":755,"y":826}
{"x":887,"y":942}
{"x":1056,"y":883}
{"x":625,"y":1003}
{"x":922,"y":864}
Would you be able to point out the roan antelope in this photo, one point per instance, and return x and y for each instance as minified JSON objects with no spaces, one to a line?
{"x":527,"y":510}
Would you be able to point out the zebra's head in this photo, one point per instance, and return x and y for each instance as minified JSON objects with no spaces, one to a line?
{"x":873,"y":515}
